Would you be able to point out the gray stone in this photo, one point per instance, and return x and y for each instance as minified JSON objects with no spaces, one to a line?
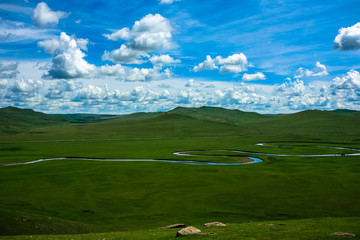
{"x":215,"y":224}
{"x":188,"y":231}
{"x":343,"y":234}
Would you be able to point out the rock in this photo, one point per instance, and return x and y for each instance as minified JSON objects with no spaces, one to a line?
{"x":215,"y":224}
{"x":177,"y":225}
{"x":188,"y":231}
{"x":342,"y":234}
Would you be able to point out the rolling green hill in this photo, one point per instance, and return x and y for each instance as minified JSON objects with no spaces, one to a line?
{"x":78,"y":196}
{"x":180,"y":122}
{"x":15,"y":120}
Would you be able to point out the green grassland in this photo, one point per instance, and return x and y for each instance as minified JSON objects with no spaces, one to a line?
{"x":312,"y":196}
{"x":319,"y":229}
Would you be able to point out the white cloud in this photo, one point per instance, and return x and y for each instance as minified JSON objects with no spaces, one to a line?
{"x":62,"y":89}
{"x":9,"y":71}
{"x":208,"y":64}
{"x":291,"y":88}
{"x":350,"y":81}
{"x":231,"y":69}
{"x":168,"y":1}
{"x":319,"y":70}
{"x":125,"y":73}
{"x":163,"y":60}
{"x":24,"y":90}
{"x":348,"y":38}
{"x":123,"y":33}
{"x":124,"y":55}
{"x":235,"y":59}
{"x":253,"y":77}
{"x":151,"y":33}
{"x":26,"y":85}
{"x":90,"y":92}
{"x":44,"y":17}
{"x":232,"y":64}
{"x":145,"y":74}
{"x":114,"y":70}
{"x":68,"y":59}
{"x":52,"y":46}
{"x":126,"y":97}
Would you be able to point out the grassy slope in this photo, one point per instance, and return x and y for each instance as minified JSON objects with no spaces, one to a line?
{"x":125,"y":196}
{"x":319,"y":229}
{"x":15,"y":120}
{"x":193,"y":122}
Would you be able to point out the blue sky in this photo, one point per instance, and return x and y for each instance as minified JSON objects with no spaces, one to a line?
{"x":127,"y":56}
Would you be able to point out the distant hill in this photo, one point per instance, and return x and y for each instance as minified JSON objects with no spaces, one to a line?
{"x":218,"y":114}
{"x":13,"y":120}
{"x":179,"y":122}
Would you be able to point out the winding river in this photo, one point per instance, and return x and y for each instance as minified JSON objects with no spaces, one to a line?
{"x":189,"y":153}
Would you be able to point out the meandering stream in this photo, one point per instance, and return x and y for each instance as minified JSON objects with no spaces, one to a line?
{"x":190,"y":153}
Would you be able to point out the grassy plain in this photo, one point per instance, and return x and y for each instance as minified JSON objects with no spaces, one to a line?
{"x":77,"y":196}
{"x":319,"y":229}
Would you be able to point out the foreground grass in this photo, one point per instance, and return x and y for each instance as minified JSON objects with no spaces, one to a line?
{"x":319,"y":229}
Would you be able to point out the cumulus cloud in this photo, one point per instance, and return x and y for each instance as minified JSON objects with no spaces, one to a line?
{"x":114,"y":70}
{"x":43,"y":16}
{"x":295,"y":95}
{"x":125,"y":73}
{"x":291,"y":88}
{"x":318,"y":71}
{"x":124,"y":55}
{"x":232,"y":64}
{"x":26,"y":85}
{"x":9,"y":70}
{"x":235,"y":63}
{"x":24,"y":90}
{"x":90,"y":92}
{"x":74,"y":96}
{"x":348,"y":38}
{"x":123,"y":33}
{"x":163,"y":60}
{"x":62,"y":89}
{"x":253,"y":77}
{"x":168,"y":1}
{"x":208,"y":64}
{"x":68,"y":59}
{"x":151,"y":33}
{"x":145,"y":74}
{"x":350,"y":81}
